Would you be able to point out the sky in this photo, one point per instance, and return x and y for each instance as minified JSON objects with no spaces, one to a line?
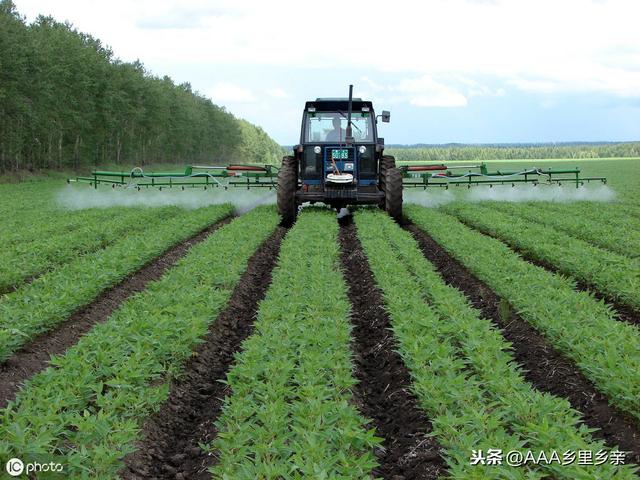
{"x":467,"y":71}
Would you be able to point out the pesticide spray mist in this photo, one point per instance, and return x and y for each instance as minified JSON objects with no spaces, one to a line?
{"x":506,"y":193}
{"x":73,"y":198}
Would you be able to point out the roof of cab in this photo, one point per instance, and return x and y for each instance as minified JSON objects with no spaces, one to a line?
{"x":332,"y":104}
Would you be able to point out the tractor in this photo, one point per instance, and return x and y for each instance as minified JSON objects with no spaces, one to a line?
{"x":340,"y":160}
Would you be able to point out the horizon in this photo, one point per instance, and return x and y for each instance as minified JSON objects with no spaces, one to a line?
{"x":503,"y":80}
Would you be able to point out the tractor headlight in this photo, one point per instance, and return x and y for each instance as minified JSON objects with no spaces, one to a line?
{"x":362,"y":149}
{"x":317,"y":150}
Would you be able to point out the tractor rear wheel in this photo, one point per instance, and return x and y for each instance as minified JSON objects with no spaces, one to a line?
{"x":393,"y":194}
{"x":386,"y":162}
{"x":287,"y":185}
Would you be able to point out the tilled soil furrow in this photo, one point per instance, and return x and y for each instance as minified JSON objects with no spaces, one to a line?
{"x":383,"y":392}
{"x":34,"y":356}
{"x":544,"y":367}
{"x":170,"y":438}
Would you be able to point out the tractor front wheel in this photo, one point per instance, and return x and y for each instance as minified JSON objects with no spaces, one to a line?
{"x":287,"y":185}
{"x":393,"y":194}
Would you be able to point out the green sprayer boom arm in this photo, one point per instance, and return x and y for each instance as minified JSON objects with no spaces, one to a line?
{"x":194,"y":176}
{"x":439,"y":175}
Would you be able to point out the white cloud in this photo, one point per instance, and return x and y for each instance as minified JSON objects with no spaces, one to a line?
{"x":567,"y":45}
{"x":422,"y":91}
{"x":223,"y":92}
{"x":426,"y":92}
{"x":277,"y":93}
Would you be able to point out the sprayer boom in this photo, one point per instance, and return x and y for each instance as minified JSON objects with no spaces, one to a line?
{"x":195,"y":176}
{"x":423,"y":175}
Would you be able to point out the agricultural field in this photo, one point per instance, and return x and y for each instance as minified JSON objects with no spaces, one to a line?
{"x":494,"y":334}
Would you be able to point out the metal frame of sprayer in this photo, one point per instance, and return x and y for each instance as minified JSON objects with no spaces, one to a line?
{"x":415,"y":175}
{"x":194,"y":176}
{"x":426,"y":175}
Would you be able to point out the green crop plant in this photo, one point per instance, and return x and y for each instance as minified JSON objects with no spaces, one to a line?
{"x":51,"y":298}
{"x":53,"y":222}
{"x":291,"y":414}
{"x":610,"y":273}
{"x":583,"y":328}
{"x":88,"y":407}
{"x":541,"y":421}
{"x":570,"y":219}
{"x":25,"y":260}
{"x":614,"y":215}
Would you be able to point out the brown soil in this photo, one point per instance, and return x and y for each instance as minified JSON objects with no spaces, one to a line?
{"x":544,"y":367}
{"x":622,"y":311}
{"x":169,"y":446}
{"x":384,"y":389}
{"x":35,"y":355}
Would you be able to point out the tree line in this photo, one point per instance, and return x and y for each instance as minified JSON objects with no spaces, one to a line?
{"x":436,"y":153}
{"x":66,"y":102}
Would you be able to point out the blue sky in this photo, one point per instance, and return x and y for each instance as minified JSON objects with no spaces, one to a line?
{"x":470,"y":71}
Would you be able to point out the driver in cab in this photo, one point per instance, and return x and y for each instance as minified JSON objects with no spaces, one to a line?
{"x":338,"y":134}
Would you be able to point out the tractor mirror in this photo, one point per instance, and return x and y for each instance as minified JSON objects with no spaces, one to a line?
{"x":386,"y":116}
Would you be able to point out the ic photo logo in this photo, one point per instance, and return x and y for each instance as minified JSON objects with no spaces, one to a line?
{"x":15,"y":467}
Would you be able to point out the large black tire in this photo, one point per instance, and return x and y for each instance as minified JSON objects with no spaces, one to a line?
{"x":386,"y":162}
{"x":287,"y":185}
{"x":393,"y":194}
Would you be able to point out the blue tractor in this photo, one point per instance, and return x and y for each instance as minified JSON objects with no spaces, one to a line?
{"x":340,"y":160}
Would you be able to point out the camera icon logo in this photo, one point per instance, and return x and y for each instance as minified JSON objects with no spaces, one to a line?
{"x":15,"y":467}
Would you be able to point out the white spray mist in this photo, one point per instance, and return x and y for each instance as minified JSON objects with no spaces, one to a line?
{"x":74,"y":198}
{"x":541,"y":193}
{"x":507,"y":193}
{"x":431,"y":198}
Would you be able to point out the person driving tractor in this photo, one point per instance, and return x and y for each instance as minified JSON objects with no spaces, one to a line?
{"x":337,"y":134}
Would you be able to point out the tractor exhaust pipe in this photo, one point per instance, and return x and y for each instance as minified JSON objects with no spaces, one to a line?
{"x":349,"y":132}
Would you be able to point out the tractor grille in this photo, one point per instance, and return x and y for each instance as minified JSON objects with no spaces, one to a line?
{"x":347,"y":193}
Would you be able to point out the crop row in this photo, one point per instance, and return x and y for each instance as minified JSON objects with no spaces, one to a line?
{"x":14,"y":194}
{"x":613,"y":215}
{"x":86,"y":410}
{"x":631,"y":207}
{"x":613,"y":274}
{"x":624,"y":241}
{"x":25,"y":260}
{"x":291,"y":414}
{"x":607,"y":351}
{"x":40,"y":305}
{"x":50,"y":222}
{"x":463,"y":371}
